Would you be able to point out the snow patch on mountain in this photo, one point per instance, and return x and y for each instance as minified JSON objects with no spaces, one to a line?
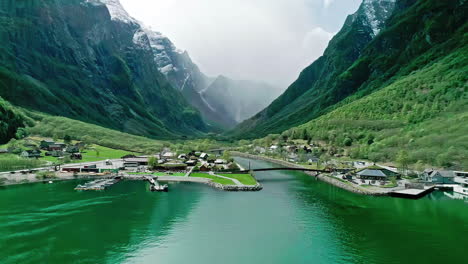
{"x":377,"y":12}
{"x":141,"y":40}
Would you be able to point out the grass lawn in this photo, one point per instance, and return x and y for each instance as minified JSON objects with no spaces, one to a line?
{"x":96,"y":153}
{"x":246,"y":179}
{"x":166,"y":174}
{"x":214,"y":178}
{"x":390,"y":185}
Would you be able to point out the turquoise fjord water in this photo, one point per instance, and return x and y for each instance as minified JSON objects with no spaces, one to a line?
{"x":295,"y":219}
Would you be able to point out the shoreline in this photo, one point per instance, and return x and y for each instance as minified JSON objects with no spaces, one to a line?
{"x":30,"y":178}
{"x":322,"y":177}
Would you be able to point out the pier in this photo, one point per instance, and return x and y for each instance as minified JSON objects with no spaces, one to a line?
{"x":412,"y":193}
{"x":155,"y":186}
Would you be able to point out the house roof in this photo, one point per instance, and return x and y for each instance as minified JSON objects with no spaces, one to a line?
{"x":136,"y":160}
{"x":445,"y":174}
{"x":373,"y":173}
{"x":376,"y":172}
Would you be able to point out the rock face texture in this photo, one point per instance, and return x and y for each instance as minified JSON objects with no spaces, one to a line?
{"x":89,"y":60}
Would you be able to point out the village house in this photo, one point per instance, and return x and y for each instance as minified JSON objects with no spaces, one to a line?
{"x":139,"y":161}
{"x":205,"y":167}
{"x":57,"y":146}
{"x":191,"y":162}
{"x":220,"y":161}
{"x":46,"y":143}
{"x":377,"y":174}
{"x":168,"y":155}
{"x":31,"y":154}
{"x":274,"y":148}
{"x":438,"y":176}
{"x":182,"y":157}
{"x":204,"y":156}
{"x":3,"y":151}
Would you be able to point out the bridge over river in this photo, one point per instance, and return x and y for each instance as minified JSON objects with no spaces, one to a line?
{"x":327,"y":170}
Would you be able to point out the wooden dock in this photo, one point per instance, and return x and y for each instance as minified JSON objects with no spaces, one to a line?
{"x":412,"y":193}
{"x":155,"y":186}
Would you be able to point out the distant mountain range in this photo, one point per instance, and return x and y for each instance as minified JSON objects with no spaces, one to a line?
{"x":222,"y":102}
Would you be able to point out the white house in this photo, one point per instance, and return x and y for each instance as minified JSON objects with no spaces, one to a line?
{"x":204,"y":156}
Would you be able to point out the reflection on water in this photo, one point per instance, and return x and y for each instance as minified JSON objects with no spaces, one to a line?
{"x":295,"y":219}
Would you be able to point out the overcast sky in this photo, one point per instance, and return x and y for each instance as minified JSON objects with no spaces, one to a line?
{"x":267,"y":40}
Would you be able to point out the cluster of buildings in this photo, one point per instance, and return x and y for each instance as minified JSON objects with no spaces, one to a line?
{"x":170,"y":161}
{"x":31,"y":149}
{"x":293,"y":153}
{"x":60,"y":150}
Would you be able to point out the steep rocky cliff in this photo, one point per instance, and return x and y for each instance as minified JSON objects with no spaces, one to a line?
{"x":87,"y":59}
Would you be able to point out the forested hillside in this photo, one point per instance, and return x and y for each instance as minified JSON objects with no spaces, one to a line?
{"x":423,"y":115}
{"x":415,"y":36}
{"x":10,"y":121}
{"x":409,"y":95}
{"x":81,"y":59}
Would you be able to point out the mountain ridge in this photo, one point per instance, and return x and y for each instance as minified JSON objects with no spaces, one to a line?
{"x":77,"y":59}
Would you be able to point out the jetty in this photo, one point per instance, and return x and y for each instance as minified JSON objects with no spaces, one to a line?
{"x":412,"y":193}
{"x":155,"y":186}
{"x":97,"y":185}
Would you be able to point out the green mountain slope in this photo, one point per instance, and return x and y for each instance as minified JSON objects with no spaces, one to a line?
{"x":72,"y":58}
{"x":424,"y":113}
{"x":10,"y":121}
{"x":357,"y":63}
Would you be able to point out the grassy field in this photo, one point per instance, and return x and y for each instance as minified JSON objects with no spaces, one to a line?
{"x":13,"y":162}
{"x":246,"y":179}
{"x":96,"y":153}
{"x":214,"y":178}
